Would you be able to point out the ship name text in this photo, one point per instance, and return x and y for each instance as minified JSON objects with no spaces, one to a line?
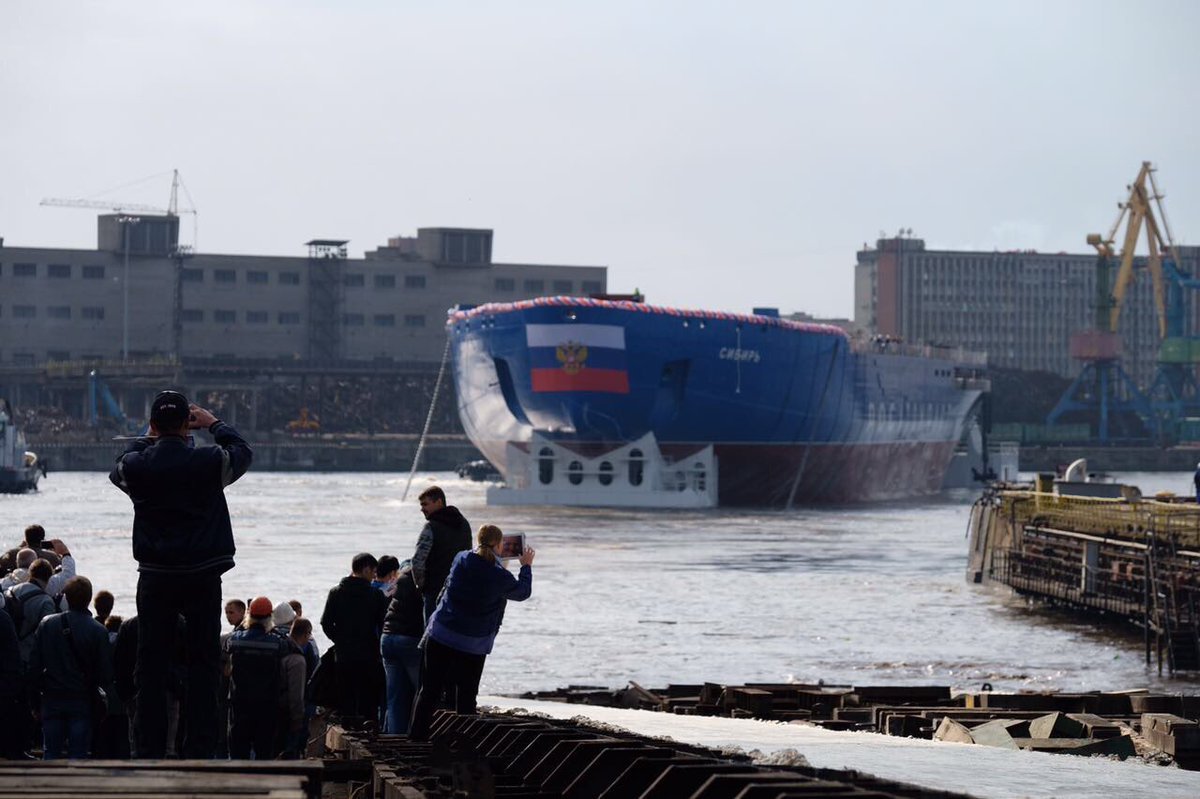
{"x":739,"y":354}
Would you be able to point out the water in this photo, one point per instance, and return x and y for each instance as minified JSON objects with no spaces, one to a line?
{"x":867,"y":595}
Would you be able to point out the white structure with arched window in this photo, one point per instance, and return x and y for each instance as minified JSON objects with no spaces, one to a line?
{"x":633,"y":475}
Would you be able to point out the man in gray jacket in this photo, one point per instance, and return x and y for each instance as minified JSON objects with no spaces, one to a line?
{"x":71,"y":658}
{"x":35,"y":604}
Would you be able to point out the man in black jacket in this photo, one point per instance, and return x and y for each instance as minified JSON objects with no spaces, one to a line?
{"x":352,"y":618}
{"x":183,"y":543}
{"x":445,"y":534}
{"x":71,"y":659}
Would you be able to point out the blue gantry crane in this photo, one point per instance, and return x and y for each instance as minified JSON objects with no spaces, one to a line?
{"x":99,"y":394}
{"x":1103,"y":387}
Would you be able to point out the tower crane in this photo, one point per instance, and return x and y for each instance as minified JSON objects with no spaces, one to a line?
{"x":177,"y":253}
{"x":172,"y":208}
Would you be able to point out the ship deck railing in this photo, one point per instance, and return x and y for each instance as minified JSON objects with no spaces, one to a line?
{"x":1131,"y":519}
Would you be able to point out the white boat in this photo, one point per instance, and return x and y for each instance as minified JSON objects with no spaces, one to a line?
{"x":20,"y":469}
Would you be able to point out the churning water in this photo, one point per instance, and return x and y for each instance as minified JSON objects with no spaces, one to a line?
{"x":866,"y":595}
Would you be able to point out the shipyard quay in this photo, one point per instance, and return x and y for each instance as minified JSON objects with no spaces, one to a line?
{"x":1020,"y":307}
{"x":139,"y":296}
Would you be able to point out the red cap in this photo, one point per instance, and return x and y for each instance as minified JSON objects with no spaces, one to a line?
{"x":261,"y":608}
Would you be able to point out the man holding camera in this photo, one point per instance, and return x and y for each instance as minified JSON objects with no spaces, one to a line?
{"x":183,"y":543}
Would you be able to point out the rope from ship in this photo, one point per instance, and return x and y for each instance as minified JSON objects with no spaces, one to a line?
{"x":816,"y":420}
{"x":437,"y":387}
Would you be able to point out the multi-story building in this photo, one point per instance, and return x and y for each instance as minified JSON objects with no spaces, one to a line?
{"x":139,"y":295}
{"x":1018,"y":307}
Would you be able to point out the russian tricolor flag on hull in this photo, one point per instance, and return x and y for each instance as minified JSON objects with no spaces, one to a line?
{"x":577,"y":358}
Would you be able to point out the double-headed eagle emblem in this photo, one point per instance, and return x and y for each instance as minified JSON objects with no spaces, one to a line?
{"x":572,"y":356}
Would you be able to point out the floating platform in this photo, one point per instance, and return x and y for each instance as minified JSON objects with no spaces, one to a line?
{"x":1098,"y":548}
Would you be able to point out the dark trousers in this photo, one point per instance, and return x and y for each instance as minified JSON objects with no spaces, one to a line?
{"x":446,"y":670}
{"x":14,"y":729}
{"x":253,"y":729}
{"x":110,"y":738}
{"x":359,"y":688}
{"x":161,"y":599}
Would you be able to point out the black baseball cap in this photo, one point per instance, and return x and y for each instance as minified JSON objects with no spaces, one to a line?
{"x":169,"y":411}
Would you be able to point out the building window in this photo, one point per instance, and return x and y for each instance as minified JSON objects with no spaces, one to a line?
{"x":289,"y":278}
{"x":257,"y":277}
{"x":593,"y":287}
{"x":58,"y":270}
{"x":414,"y":320}
{"x":352,"y":319}
{"x":535,"y":286}
{"x":59,"y":312}
{"x":506,"y":284}
{"x":224,"y":276}
{"x":289,"y":317}
{"x":91,"y":272}
{"x":193,"y":275}
{"x":385,"y":320}
{"x":563,"y":287}
{"x":257,"y":317}
{"x":24,"y":270}
{"x":225,"y":317}
{"x":24,"y":312}
{"x":414,"y":281}
{"x":92,"y":311}
{"x":385,"y":281}
{"x":191,"y":315}
{"x":58,"y":355}
{"x":354,"y":280}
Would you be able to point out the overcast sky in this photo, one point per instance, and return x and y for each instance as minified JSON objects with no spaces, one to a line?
{"x":719,"y":155}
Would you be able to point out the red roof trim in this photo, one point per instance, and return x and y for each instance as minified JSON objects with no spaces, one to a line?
{"x":641,"y":307}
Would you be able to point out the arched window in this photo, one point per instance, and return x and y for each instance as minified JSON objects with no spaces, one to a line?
{"x":637,"y":467}
{"x":545,"y":465}
{"x":575,"y":473}
{"x":606,"y":473}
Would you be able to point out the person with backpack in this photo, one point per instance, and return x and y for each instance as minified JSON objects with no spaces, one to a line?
{"x":256,"y":681}
{"x":70,"y":660}
{"x":28,"y":603}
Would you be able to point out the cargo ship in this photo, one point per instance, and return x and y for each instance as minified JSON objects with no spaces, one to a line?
{"x":601,"y":402}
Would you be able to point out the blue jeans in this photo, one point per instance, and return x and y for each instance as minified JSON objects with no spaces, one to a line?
{"x":402,"y":667}
{"x":66,"y":728}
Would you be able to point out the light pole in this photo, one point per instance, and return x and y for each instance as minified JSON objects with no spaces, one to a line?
{"x":126,"y":222}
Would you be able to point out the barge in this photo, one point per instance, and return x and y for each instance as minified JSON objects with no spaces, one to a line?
{"x":1099,"y":548}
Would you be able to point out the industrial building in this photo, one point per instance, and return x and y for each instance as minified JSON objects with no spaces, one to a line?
{"x":138,"y":296}
{"x":1018,"y":307}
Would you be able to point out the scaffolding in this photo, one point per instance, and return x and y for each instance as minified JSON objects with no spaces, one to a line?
{"x":325,"y":260}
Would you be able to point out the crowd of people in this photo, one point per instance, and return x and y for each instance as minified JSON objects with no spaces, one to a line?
{"x":407,"y":635}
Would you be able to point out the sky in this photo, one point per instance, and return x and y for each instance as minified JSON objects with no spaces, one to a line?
{"x":711,"y":154}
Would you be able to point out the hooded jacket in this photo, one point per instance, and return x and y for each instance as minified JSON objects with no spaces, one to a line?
{"x":406,"y":611}
{"x":471,"y":609}
{"x":352,"y":617}
{"x":445,"y":534}
{"x":180,"y":519}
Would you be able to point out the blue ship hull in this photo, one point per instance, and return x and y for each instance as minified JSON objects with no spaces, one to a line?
{"x":796,"y":414}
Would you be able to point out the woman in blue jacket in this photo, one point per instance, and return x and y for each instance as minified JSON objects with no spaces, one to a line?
{"x":463,"y":627}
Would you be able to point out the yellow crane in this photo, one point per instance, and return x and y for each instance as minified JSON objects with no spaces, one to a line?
{"x":1139,"y":212}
